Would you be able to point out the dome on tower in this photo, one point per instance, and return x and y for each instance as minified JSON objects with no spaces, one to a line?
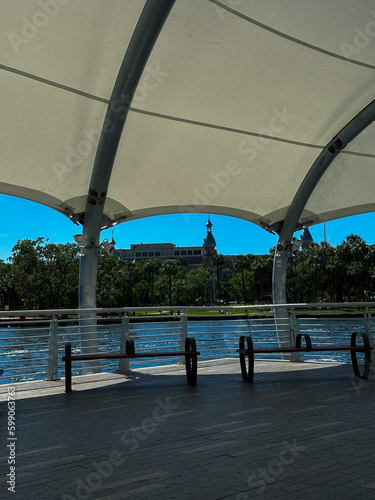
{"x":306,"y":238}
{"x":209,"y":240}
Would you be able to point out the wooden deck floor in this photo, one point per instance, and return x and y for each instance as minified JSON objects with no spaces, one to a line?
{"x":302,"y":430}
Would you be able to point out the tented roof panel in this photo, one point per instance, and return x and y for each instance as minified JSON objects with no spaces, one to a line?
{"x":233,"y":107}
{"x":79,"y":44}
{"x":344,"y":28}
{"x":52,"y":136}
{"x":218,"y":172}
{"x":235,"y":74}
{"x":364,"y":143}
{"x":346,"y":188}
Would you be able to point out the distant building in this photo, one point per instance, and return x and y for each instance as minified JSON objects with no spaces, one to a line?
{"x":194,"y":256}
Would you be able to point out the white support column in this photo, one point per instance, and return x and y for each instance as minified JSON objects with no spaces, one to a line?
{"x":288,"y":226}
{"x":150,"y":23}
{"x":88,"y":270}
{"x":279,"y":295}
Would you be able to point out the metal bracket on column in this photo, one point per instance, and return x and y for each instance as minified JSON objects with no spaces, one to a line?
{"x":95,"y":198}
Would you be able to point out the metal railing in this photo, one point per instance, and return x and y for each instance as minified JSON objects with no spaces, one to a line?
{"x":32,"y":342}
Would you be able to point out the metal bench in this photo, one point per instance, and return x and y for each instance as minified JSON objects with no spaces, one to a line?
{"x":250,"y":351}
{"x":190,"y":354}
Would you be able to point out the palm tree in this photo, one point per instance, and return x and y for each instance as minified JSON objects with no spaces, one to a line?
{"x":242,"y":262}
{"x":261,"y":268}
{"x":170,"y":268}
{"x":127,"y":278}
{"x":218,"y":261}
{"x":152,"y":266}
{"x":353,"y":253}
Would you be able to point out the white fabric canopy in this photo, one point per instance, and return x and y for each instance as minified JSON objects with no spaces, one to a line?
{"x":235,"y":104}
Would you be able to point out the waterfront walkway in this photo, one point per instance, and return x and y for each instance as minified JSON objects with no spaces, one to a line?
{"x":302,"y":431}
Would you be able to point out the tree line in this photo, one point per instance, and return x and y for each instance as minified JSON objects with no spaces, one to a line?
{"x":44,"y":275}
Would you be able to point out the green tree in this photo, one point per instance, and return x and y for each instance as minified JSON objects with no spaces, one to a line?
{"x":8,"y":295}
{"x":199,"y":284}
{"x":218,"y":262}
{"x":169,"y":267}
{"x":330,"y":274}
{"x":261,"y":267}
{"x":128,"y":276}
{"x":151,"y":268}
{"x":45,"y":275}
{"x":243,"y":263}
{"x":370,"y":266}
{"x":242,"y":286}
{"x":107,"y":292}
{"x":353,"y":252}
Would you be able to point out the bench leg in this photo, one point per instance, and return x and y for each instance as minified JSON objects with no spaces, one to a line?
{"x":130,"y":347}
{"x":68,"y":368}
{"x":366,"y":343}
{"x":247,"y":375}
{"x":191,"y":362}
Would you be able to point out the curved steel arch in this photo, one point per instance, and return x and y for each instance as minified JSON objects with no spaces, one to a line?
{"x":286,"y":228}
{"x":146,"y":32}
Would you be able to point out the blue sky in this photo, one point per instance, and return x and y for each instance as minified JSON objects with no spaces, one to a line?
{"x":23,"y":219}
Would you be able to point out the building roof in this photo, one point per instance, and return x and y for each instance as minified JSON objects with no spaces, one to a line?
{"x":306,"y":238}
{"x":247,"y":109}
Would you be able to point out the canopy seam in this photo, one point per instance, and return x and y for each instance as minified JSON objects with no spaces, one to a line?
{"x":289,"y":37}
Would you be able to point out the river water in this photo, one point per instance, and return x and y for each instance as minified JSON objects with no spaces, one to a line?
{"x":24,"y":351}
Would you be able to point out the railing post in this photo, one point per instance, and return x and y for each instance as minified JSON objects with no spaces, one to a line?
{"x":369,"y":332}
{"x":295,"y":357}
{"x":248,"y":321}
{"x":124,"y":363}
{"x":281,"y":318}
{"x":89,"y":340}
{"x":53,"y":352}
{"x":183,"y":335}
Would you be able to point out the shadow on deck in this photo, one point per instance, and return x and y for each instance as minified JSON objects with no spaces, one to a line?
{"x":301,"y":430}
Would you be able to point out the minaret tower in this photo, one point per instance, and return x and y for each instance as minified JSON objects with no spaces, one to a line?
{"x":209,"y":242}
